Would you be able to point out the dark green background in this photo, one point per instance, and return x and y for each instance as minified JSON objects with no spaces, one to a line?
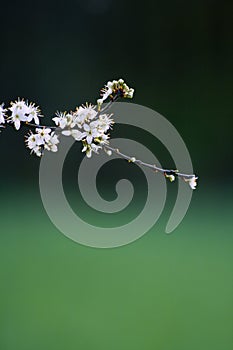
{"x":161,"y":292}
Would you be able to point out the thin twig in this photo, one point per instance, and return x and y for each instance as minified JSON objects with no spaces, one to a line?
{"x":40,"y":126}
{"x":151,"y":166}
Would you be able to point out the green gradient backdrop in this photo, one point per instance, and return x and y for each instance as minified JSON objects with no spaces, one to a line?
{"x":161,"y":292}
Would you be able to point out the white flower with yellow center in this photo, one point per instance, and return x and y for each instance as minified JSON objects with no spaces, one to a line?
{"x":91,"y":132}
{"x":63,"y":120}
{"x":43,"y":135}
{"x":102,"y":139}
{"x":104,"y":122}
{"x":31,"y":141}
{"x":33,"y":112}
{"x":19,"y":113}
{"x":41,"y":140}
{"x":85,"y":114}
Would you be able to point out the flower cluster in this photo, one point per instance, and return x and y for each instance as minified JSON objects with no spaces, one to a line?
{"x":86,"y":125}
{"x":113,"y":89}
{"x":43,"y":138}
{"x":21,"y":111}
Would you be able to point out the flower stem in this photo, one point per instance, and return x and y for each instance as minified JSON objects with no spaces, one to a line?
{"x":109,"y":104}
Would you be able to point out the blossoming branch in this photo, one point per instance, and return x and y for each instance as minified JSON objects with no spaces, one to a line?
{"x":88,"y":124}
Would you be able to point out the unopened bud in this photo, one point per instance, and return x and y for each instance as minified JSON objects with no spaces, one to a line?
{"x":109,"y":152}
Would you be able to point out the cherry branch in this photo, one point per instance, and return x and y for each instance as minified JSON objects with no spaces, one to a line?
{"x":88,"y":123}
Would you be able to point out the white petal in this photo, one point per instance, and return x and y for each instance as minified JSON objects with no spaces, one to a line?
{"x":36,"y":119}
{"x":66,"y":132}
{"x":84,"y":148}
{"x":54,"y":148}
{"x":89,"y":139}
{"x":17,"y":124}
{"x":86,"y":127}
{"x":56,"y":120}
{"x":88,"y":153}
{"x":39,"y":140}
{"x":78,"y":135}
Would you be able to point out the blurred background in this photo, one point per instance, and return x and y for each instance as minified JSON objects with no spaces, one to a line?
{"x":161,"y":292}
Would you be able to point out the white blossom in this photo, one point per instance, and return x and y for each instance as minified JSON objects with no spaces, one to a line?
{"x":19,"y":110}
{"x":60,"y":121}
{"x":32,"y":141}
{"x":32,"y":144}
{"x":91,"y":132}
{"x":63,"y":120}
{"x":192,"y":182}
{"x":2,"y":114}
{"x":105,"y":92}
{"x":33,"y":113}
{"x":43,"y":135}
{"x":42,"y":139}
{"x":37,"y":150}
{"x":22,"y":112}
{"x":85,"y":114}
{"x":104,"y":122}
{"x":102,"y":139}
{"x":86,"y":125}
{"x":89,"y":148}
